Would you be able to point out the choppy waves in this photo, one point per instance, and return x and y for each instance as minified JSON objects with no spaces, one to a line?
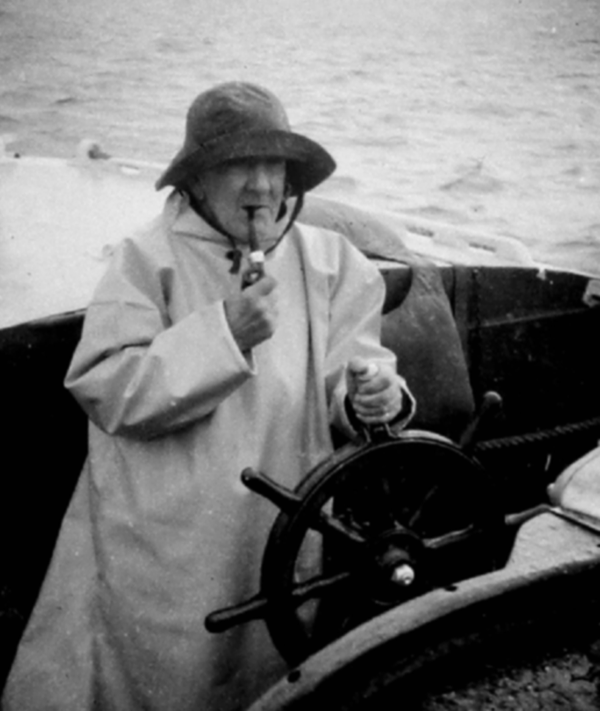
{"x":470,"y":111}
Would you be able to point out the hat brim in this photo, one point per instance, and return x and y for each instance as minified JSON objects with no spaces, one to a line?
{"x":309,"y":164}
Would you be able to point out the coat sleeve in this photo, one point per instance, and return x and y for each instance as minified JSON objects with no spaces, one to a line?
{"x":137,"y":374}
{"x":357,"y":296}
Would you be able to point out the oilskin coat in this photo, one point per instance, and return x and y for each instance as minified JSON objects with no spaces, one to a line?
{"x":160,"y":530}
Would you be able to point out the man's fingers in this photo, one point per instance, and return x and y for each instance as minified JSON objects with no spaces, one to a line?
{"x":362,"y":369}
{"x":262,"y":287}
{"x":252,"y":314}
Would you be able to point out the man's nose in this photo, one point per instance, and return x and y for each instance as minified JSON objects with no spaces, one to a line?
{"x":259,"y":177}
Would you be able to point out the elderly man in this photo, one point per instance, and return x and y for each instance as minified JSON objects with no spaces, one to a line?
{"x":212,"y":343}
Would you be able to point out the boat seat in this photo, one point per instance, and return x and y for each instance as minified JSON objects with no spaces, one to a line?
{"x":418,"y":324}
{"x":420,"y":328}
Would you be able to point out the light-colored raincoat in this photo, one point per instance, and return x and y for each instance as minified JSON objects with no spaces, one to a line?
{"x":160,"y":530}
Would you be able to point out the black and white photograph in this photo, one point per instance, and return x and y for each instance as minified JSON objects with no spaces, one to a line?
{"x":299,"y":363}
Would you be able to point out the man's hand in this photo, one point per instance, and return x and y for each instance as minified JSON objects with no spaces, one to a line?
{"x":252,"y":315}
{"x":374,"y":391}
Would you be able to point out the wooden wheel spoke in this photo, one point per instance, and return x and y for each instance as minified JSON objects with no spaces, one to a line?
{"x":327,"y":524}
{"x":416,"y":515}
{"x":451,"y":538}
{"x":318,"y":586}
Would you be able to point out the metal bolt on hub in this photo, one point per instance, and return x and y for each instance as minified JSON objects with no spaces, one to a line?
{"x":403,"y":575}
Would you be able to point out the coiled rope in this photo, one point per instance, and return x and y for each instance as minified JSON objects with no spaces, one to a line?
{"x":542,"y":436}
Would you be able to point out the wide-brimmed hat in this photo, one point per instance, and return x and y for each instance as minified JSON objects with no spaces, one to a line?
{"x":238,"y":120}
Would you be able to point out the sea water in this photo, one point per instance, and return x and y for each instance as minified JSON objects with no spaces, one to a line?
{"x":475,"y":112}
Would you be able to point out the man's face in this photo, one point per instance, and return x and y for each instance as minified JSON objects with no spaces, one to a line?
{"x":233,"y":190}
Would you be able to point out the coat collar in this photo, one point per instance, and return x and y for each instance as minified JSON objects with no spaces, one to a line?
{"x":184,"y":220}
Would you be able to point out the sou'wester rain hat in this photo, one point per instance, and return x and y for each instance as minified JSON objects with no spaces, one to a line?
{"x":238,"y":120}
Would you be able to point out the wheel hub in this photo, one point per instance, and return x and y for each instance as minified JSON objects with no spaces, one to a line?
{"x":394,"y":566}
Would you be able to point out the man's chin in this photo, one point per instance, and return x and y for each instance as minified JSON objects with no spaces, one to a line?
{"x":266,"y":229}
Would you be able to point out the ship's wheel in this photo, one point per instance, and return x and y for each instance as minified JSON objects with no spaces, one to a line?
{"x":369,"y":528}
